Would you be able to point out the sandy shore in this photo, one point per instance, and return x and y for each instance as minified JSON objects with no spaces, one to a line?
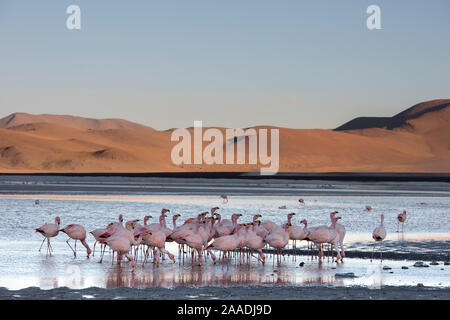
{"x":235,"y":292}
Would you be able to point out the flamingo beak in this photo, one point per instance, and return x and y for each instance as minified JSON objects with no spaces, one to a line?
{"x":104,"y":235}
{"x":61,"y":230}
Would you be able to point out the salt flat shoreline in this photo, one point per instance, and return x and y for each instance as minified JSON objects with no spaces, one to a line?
{"x":334,"y":176}
{"x":231,"y":293}
{"x":144,"y":185}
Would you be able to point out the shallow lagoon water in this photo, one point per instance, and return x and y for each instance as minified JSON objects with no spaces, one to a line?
{"x":23,"y":266}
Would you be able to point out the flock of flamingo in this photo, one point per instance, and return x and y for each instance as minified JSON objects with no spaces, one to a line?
{"x":206,"y":234}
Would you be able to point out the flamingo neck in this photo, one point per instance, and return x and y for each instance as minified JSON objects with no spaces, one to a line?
{"x":174,"y":222}
{"x":162,"y":221}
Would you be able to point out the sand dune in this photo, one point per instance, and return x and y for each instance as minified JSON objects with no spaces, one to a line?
{"x":417,"y":140}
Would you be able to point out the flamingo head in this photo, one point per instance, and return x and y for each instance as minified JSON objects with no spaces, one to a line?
{"x":120,"y":218}
{"x":130,"y":225}
{"x":146,"y":218}
{"x":304,"y":222}
{"x":213,"y":210}
{"x":163,"y":211}
{"x":338,"y":218}
{"x":57,"y":221}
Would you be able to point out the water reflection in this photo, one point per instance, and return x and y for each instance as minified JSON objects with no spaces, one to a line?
{"x":216,"y":275}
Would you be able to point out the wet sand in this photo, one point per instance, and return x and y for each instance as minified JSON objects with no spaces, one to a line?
{"x":232,"y":293}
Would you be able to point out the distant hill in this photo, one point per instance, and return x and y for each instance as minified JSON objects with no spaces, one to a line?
{"x":20,"y":118}
{"x":415,"y":140}
{"x":397,"y":121}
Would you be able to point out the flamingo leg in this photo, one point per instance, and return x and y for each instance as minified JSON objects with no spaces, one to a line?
{"x":42,"y":244}
{"x":74,"y":252}
{"x":381,"y":251}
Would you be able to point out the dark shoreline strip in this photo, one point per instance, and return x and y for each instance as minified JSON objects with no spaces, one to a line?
{"x":334,"y":176}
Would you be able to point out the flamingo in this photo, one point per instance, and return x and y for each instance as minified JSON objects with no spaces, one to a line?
{"x":122,"y":245}
{"x":295,"y":232}
{"x":156,"y":239}
{"x":194,"y":240}
{"x":224,"y":197}
{"x":278,"y":238}
{"x":76,"y":232}
{"x":49,"y":230}
{"x":301,"y":201}
{"x":96,"y":233}
{"x":259,"y":229}
{"x":401,"y":219}
{"x":368,"y":208}
{"x":224,"y":243}
{"x":255,"y":242}
{"x":379,"y":234}
{"x":325,"y":234}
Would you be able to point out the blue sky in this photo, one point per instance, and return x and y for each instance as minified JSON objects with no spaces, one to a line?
{"x":299,"y":64}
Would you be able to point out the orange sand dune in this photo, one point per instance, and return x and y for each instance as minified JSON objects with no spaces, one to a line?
{"x":417,"y":140}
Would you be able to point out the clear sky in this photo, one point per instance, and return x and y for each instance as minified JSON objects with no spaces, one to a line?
{"x":233,"y":63}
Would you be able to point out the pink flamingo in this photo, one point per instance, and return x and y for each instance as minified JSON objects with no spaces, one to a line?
{"x":401,"y":219}
{"x":194,"y":240}
{"x":76,"y":232}
{"x":225,"y":243}
{"x":379,"y":234}
{"x":368,"y":208}
{"x":295,"y":232}
{"x":255,"y":242}
{"x":301,"y":201}
{"x":96,"y":233}
{"x":122,"y":245}
{"x":325,"y":234}
{"x":157,"y":240}
{"x":224,"y":197}
{"x":278,"y":238}
{"x":49,"y":230}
